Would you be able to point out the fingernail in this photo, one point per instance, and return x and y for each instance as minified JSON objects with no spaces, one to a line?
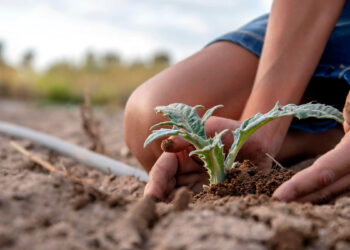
{"x":285,"y":192}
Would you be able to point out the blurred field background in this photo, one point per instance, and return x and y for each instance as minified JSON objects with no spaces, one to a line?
{"x":105,"y":77}
{"x":53,"y":51}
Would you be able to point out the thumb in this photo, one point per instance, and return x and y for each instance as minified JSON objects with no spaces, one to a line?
{"x":174,"y":144}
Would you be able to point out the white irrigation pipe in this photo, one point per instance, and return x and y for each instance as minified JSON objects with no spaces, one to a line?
{"x":82,"y":155}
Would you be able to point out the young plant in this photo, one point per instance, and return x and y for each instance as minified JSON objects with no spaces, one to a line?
{"x":187,"y":124}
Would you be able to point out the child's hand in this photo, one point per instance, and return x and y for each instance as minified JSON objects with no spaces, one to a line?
{"x":174,"y":168}
{"x":346,"y":113}
{"x":328,"y":176}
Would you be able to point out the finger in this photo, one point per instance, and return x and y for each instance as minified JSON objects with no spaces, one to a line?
{"x":161,"y":173}
{"x":188,"y":164}
{"x":174,"y":144}
{"x":325,"y":194}
{"x":326,"y":170}
{"x":190,"y":179}
{"x":171,"y":186}
{"x":346,"y":114}
{"x":346,"y":127}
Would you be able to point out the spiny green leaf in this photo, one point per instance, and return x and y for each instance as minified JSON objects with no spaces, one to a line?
{"x":213,"y":157}
{"x":185,"y":117}
{"x":162,"y":124}
{"x":249,"y":126}
{"x":315,"y":110}
{"x":215,"y":141}
{"x":209,"y":113}
{"x":156,"y":134}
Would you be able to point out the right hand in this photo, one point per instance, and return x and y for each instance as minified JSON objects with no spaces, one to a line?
{"x":328,"y":176}
{"x":175,"y":168}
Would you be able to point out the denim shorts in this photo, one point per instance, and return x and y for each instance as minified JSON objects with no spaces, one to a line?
{"x":334,"y":64}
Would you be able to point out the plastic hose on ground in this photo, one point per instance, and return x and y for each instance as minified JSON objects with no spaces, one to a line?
{"x":82,"y":155}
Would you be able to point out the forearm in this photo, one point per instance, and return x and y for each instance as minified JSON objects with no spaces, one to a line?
{"x":346,"y":113}
{"x":296,"y":36}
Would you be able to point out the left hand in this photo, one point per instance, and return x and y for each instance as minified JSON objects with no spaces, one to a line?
{"x":327,"y":177}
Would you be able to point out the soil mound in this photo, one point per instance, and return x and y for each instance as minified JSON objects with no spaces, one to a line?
{"x":249,"y":179}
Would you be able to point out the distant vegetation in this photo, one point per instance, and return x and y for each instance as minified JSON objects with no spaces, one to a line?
{"x":106,"y":77}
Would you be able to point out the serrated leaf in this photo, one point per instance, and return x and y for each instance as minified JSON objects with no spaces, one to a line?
{"x":315,"y":110}
{"x":213,"y":157}
{"x":162,"y":124}
{"x":216,"y":140}
{"x":185,"y":117}
{"x":156,"y":134}
{"x":210,"y":112}
{"x":249,"y":126}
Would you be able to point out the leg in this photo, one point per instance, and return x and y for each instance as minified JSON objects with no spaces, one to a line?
{"x":222,"y":73}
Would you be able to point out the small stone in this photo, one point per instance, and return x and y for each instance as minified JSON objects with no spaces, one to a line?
{"x":125,"y":152}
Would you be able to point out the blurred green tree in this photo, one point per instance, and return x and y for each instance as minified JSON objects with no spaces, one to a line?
{"x":90,"y":63}
{"x":161,"y":57}
{"x":110,"y":59}
{"x":28,"y":59}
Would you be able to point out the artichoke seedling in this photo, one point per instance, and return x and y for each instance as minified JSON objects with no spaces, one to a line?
{"x":187,"y":124}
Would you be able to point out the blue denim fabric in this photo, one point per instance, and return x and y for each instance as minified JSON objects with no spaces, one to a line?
{"x":334,"y":64}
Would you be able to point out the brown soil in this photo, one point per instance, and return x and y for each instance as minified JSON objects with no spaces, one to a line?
{"x":42,"y":210}
{"x":248,"y":179}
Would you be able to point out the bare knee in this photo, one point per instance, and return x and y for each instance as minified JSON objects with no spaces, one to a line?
{"x":139,"y":117}
{"x":190,"y":82}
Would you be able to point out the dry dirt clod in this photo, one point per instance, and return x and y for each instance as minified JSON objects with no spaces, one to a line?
{"x":167,"y":145}
{"x":116,"y":199}
{"x":80,"y":202}
{"x":6,"y":240}
{"x":84,"y":194}
{"x":133,"y":229}
{"x":182,"y":199}
{"x":3,"y":155}
{"x":142,"y":214}
{"x":286,"y":239}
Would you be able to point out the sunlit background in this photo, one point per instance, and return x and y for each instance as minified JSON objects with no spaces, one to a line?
{"x":54,"y":50}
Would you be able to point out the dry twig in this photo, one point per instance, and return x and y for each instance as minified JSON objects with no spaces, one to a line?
{"x":274,"y":160}
{"x":91,"y":125}
{"x":46,"y":165}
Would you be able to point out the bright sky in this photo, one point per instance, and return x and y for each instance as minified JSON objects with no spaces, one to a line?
{"x":66,"y":29}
